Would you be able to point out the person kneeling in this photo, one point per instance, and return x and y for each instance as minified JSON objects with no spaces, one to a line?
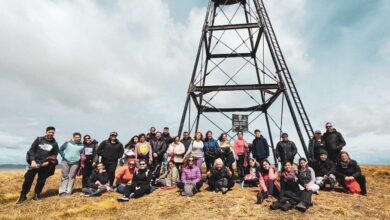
{"x":219,"y":177}
{"x":251,"y":179}
{"x":290,"y":194}
{"x":140,"y":185}
{"x":97,"y":182}
{"x":170,"y":178}
{"x":191,"y":178}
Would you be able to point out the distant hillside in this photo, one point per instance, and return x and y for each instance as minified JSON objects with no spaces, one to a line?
{"x":12,"y":166}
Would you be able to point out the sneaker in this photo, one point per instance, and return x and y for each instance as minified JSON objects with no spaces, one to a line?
{"x":122,"y":199}
{"x":260,"y":198}
{"x":276,"y":205}
{"x":242,"y":184}
{"x":36,"y":197}
{"x":301,"y":207}
{"x":21,"y":199}
{"x":224,"y":190}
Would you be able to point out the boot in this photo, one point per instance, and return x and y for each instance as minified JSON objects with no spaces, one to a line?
{"x":21,"y":199}
{"x":36,"y":197}
{"x":287,"y":206}
{"x":301,"y":207}
{"x":260,"y":198}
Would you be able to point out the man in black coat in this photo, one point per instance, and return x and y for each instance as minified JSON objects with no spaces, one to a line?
{"x":334,"y":142}
{"x":260,"y":147}
{"x":286,"y":149}
{"x":159,"y":147}
{"x":37,"y":156}
{"x":111,"y":150}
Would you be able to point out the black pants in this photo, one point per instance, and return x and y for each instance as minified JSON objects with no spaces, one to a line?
{"x":198,"y":185}
{"x":110,"y":168}
{"x":29,"y":179}
{"x":303,"y":196}
{"x":87,"y":171}
{"x":334,"y":155}
{"x":143,"y":190}
{"x":214,"y":184}
{"x":240,"y":166}
{"x":260,"y":159}
{"x":360,"y":179}
{"x":209,"y":162}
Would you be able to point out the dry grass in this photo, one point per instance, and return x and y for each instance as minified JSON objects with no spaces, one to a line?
{"x":238,"y":203}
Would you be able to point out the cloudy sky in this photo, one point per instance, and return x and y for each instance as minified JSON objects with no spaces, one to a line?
{"x":99,"y":66}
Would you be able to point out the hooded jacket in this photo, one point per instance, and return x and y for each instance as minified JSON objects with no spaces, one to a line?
{"x":110,"y":152}
{"x":41,"y":149}
{"x":334,"y":141}
{"x":71,"y":151}
{"x":286,"y":150}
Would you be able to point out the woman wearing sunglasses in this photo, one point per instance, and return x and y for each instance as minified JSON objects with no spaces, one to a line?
{"x":140,"y":184}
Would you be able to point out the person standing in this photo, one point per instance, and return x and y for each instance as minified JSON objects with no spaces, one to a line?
{"x":110,"y":151}
{"x":211,"y":150}
{"x":143,"y":150}
{"x":334,"y":142}
{"x":186,"y":140}
{"x":166,"y":136}
{"x":151,"y":135}
{"x":227,"y":152}
{"x":260,"y":147}
{"x":71,"y":155}
{"x":286,"y":150}
{"x":196,"y":150}
{"x":42,"y":158}
{"x":159,"y":148}
{"x":91,"y":158}
{"x":239,"y":150}
{"x":176,"y":152}
{"x":316,"y":145}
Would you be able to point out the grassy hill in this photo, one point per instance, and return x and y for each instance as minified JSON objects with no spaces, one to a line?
{"x":239,"y":203}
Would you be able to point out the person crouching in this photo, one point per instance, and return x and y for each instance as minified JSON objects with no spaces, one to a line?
{"x":219,"y":177}
{"x":97,"y":182}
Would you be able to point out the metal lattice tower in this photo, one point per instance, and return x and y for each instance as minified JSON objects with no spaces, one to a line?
{"x":238,"y":33}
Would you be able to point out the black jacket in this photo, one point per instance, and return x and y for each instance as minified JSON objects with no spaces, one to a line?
{"x":159,"y":146}
{"x":96,"y":176}
{"x":167,"y":138}
{"x":41,"y":149}
{"x":351,"y":169}
{"x":334,"y":141}
{"x":219,"y":174}
{"x":323,"y":168}
{"x":186,"y":143}
{"x":288,"y":185}
{"x":315,"y":148}
{"x":260,"y":147}
{"x":286,"y":151}
{"x":227,"y":156}
{"x":142,"y":177}
{"x":109,"y":152}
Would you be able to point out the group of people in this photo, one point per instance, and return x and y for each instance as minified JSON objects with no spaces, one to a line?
{"x":157,"y":160}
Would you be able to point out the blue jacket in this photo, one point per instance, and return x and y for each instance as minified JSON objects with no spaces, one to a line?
{"x":211,"y":148}
{"x":71,"y":151}
{"x":260,"y":147}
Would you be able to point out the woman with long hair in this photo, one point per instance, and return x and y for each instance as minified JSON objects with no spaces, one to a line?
{"x":196,"y":150}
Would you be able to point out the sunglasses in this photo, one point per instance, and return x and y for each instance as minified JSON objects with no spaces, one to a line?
{"x":131,"y":164}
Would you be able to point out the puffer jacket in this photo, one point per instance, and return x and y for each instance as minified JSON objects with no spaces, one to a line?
{"x":286,"y":150}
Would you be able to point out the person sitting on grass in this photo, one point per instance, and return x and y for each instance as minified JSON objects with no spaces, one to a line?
{"x":251,"y":178}
{"x":290,"y":193}
{"x":268,"y":183}
{"x":347,"y":172}
{"x":307,"y":177}
{"x":124,"y":176}
{"x":191,"y":178}
{"x":97,"y":182}
{"x":325,"y":171}
{"x":219,"y":177}
{"x":140,"y":185}
{"x":169,"y":178}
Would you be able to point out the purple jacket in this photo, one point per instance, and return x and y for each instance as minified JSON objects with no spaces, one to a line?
{"x":191,"y":175}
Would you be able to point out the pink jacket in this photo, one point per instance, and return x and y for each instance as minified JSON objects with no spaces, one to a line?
{"x":272,"y":176}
